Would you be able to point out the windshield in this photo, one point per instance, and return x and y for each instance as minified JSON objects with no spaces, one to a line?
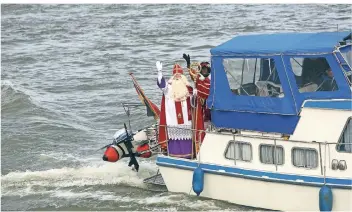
{"x":253,"y":77}
{"x":346,"y":64}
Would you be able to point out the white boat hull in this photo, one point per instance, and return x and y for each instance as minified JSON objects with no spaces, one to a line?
{"x":255,"y":193}
{"x":277,"y":186}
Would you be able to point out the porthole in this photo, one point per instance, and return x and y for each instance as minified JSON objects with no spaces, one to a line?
{"x":342,"y":165}
{"x":334,"y":164}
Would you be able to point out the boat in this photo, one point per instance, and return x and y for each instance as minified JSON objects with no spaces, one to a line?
{"x":280,"y":136}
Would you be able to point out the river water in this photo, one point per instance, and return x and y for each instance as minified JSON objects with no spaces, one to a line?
{"x":64,"y":75}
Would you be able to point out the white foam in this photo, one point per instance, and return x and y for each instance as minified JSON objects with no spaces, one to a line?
{"x":202,"y":204}
{"x":59,"y":156}
{"x":16,"y":183}
{"x":177,"y":200}
{"x":24,"y":191}
{"x":164,"y":209}
{"x":7,"y":83}
{"x":65,"y":156}
{"x":61,"y":183}
{"x":83,"y":195}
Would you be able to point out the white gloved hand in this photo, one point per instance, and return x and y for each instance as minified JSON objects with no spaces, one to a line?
{"x":159,"y":66}
{"x":194,"y":92}
{"x":201,"y":77}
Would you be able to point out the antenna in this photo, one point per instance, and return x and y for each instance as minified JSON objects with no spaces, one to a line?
{"x":337,"y":31}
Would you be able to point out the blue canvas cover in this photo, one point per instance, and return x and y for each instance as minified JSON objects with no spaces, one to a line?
{"x":222,"y":98}
{"x":271,"y":114}
{"x":343,"y":92}
{"x":282,"y":43}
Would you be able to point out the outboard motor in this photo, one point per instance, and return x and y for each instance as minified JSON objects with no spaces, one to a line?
{"x":120,"y":135}
{"x":121,"y":147}
{"x":117,"y":149}
{"x":114,"y":153}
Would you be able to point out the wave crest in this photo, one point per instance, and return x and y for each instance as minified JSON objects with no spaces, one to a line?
{"x":14,"y":98}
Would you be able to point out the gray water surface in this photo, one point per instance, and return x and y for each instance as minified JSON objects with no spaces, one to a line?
{"x":64,"y":75}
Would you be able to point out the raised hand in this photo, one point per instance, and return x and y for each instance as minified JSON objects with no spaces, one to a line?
{"x":159,"y":66}
{"x":188,"y":59}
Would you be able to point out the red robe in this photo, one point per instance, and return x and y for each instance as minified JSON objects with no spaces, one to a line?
{"x":201,"y":112}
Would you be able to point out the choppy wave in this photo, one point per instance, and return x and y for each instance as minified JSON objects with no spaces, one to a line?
{"x":16,"y":101}
{"x":171,"y":200}
{"x":65,"y":73}
{"x":83,"y":184}
{"x":21,"y":183}
{"x":12,"y":97}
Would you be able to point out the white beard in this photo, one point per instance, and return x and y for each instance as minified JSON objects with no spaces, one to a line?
{"x":179,"y":91}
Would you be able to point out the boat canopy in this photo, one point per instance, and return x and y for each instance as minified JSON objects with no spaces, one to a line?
{"x":259,"y":82}
{"x":278,"y":44}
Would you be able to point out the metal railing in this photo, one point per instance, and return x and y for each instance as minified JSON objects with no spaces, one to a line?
{"x":155,"y":147}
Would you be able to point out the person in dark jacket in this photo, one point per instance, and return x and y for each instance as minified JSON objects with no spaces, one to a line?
{"x":313,"y":69}
{"x":327,"y":81}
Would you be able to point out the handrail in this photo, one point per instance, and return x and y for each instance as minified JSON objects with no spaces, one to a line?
{"x":252,"y":136}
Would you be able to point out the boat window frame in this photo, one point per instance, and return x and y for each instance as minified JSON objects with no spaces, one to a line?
{"x":347,"y":62}
{"x":341,"y":135}
{"x":305,"y":148}
{"x":275,"y":164}
{"x":347,"y":74}
{"x":257,"y":73}
{"x":239,"y":142}
{"x":310,"y":56}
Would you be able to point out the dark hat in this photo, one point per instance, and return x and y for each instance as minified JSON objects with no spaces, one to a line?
{"x":205,"y":64}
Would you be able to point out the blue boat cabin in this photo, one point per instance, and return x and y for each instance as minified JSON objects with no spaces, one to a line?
{"x":259,"y":82}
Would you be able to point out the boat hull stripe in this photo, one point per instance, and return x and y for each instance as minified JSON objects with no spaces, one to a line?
{"x":256,"y":175}
{"x":340,"y":105}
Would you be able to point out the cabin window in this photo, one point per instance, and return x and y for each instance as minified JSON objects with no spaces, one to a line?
{"x":348,"y":57}
{"x":313,"y":74}
{"x":253,"y":77}
{"x":345,"y":142}
{"x":271,"y":155}
{"x":305,"y":157}
{"x":239,"y":151}
{"x":346,"y":62}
